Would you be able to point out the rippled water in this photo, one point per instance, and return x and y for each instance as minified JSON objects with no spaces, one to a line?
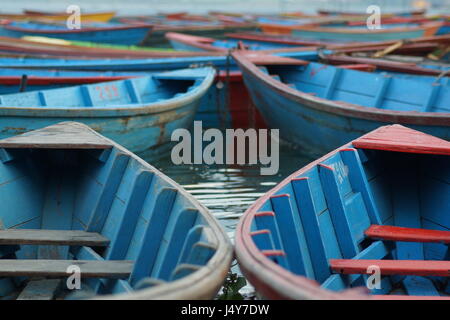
{"x":227,"y":191}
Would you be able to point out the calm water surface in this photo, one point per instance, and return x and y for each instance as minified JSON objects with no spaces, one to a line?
{"x":227,"y":191}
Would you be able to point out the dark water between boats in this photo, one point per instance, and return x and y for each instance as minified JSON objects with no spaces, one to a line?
{"x":227,"y":191}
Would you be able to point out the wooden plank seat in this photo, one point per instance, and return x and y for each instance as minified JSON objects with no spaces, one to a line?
{"x":52,"y":237}
{"x":117,"y":269}
{"x":398,"y":267}
{"x":392,"y":267}
{"x":393,"y":233}
{"x":399,"y":297}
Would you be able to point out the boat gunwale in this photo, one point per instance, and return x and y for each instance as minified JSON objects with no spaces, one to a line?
{"x":10,"y":27}
{"x":190,"y":286}
{"x":275,"y":281}
{"x":194,"y":41}
{"x":261,"y":269}
{"x":339,"y":107}
{"x":142,"y":109}
{"x":423,"y":27}
{"x":202,"y":283}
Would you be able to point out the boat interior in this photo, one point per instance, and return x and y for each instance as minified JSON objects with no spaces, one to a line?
{"x":363,"y":88}
{"x":96,"y":210}
{"x":361,"y":210}
{"x":122,"y":93}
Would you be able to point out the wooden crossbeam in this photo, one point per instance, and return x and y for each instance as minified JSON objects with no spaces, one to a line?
{"x":392,"y":267}
{"x":58,"y":268}
{"x":407,"y":234}
{"x":52,"y":237}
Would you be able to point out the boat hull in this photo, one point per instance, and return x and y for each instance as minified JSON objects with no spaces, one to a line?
{"x":121,"y":36}
{"x":172,"y":247}
{"x":145,"y":130}
{"x":316,"y":127}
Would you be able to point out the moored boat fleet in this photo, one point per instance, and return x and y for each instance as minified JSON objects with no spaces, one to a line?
{"x":80,"y":108}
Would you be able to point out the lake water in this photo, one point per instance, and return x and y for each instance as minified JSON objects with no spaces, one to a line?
{"x":143,"y":7}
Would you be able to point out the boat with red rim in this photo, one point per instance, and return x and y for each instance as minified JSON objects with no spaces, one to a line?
{"x":318,"y":107}
{"x":377,"y":203}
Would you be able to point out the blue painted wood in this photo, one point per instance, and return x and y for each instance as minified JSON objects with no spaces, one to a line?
{"x":338,"y":211}
{"x":263,"y":240}
{"x":185,"y":222}
{"x":153,"y":235}
{"x":112,"y":33}
{"x":147,"y":218}
{"x":359,"y":182}
{"x":288,"y":232}
{"x":339,"y":197}
{"x":134,"y":202}
{"x":266,"y":220}
{"x":139,"y":113}
{"x":313,"y":235}
{"x":317,"y":125}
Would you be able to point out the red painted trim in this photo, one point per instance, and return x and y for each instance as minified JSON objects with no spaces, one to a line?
{"x":272,"y":253}
{"x":281,"y":196}
{"x":400,"y":139}
{"x":271,"y":280}
{"x":326,"y":166}
{"x":392,"y":267}
{"x":266,"y":213}
{"x":398,"y":297}
{"x":264,"y":231}
{"x":194,"y":41}
{"x":407,"y":234}
{"x":300,"y":179}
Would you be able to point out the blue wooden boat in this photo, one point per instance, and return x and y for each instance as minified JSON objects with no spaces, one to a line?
{"x":139,"y":113}
{"x":319,"y":107}
{"x":187,"y":42}
{"x":14,"y":80}
{"x":378,"y":203}
{"x":111,"y":33}
{"x":364,"y":35}
{"x":90,"y":205}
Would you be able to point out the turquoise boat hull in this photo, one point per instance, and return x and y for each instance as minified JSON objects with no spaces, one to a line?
{"x":318,"y":108}
{"x":147,"y":237}
{"x":143,"y":127}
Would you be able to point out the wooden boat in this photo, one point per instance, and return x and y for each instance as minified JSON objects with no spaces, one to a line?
{"x":15,"y":80}
{"x":114,"y":33}
{"x":130,"y":231}
{"x":376,"y":203}
{"x":319,"y":107}
{"x":186,"y":42}
{"x":363,"y":34}
{"x":396,"y":66}
{"x":38,"y":47}
{"x":410,"y":13}
{"x":60,"y":17}
{"x":139,"y":113}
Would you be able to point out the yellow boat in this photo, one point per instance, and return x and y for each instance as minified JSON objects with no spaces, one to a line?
{"x":47,"y":17}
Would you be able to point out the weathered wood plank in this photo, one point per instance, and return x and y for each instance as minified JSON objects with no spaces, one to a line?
{"x":52,"y":237}
{"x":64,"y":135}
{"x":43,"y":289}
{"x":392,"y":267}
{"x":401,"y":139}
{"x":407,"y":234}
{"x":58,"y":268}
